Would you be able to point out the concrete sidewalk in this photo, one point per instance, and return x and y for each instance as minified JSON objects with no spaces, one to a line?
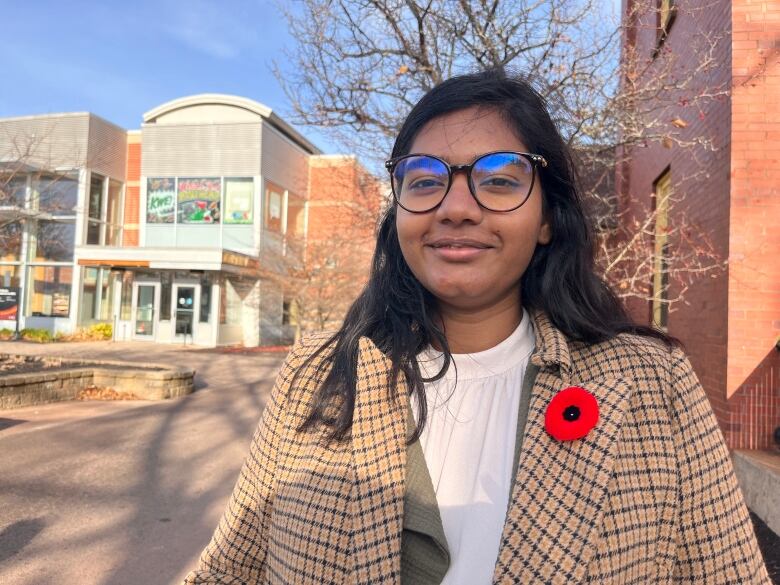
{"x":124,"y":492}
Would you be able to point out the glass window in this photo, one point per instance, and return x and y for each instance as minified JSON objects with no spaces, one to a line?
{"x":666,"y":15}
{"x":95,"y":196}
{"x":114,"y":214}
{"x":160,"y":200}
{"x":107,"y":280}
{"x":12,"y":190}
{"x":95,"y":209}
{"x":166,"y":278}
{"x":10,"y":242}
{"x":89,"y":297}
{"x":239,"y":194}
{"x":126,"y":303}
{"x":660,"y":304}
{"x":205,"y":298}
{"x":49,"y":291}
{"x":295,"y":215}
{"x":199,"y":199}
{"x":96,"y":297}
{"x":53,"y":242}
{"x":273,"y":209}
{"x":56,"y":194}
{"x":9,"y":275}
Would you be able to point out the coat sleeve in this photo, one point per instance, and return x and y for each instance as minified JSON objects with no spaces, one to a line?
{"x":716,"y":540}
{"x":237,"y":551}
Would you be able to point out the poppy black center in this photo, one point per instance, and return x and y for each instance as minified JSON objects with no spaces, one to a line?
{"x":571,"y":413}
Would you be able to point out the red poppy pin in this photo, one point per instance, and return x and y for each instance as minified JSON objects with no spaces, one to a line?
{"x":571,"y":414}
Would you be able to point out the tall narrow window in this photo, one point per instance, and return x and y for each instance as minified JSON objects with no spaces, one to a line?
{"x":12,"y":191}
{"x":166,"y":288}
{"x":274,"y":202}
{"x":666,"y":15}
{"x":126,"y":302}
{"x":95,"y":209}
{"x":113,"y":235}
{"x":660,"y":302}
{"x":205,"y":298}
{"x":666,"y":12}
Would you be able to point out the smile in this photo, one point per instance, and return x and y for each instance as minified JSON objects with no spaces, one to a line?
{"x":458,"y":244}
{"x":458,"y":252}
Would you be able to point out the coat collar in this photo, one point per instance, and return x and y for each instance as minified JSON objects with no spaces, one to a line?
{"x":559,"y":489}
{"x":552,"y":347}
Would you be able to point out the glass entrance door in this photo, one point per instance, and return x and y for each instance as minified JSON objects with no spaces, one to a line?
{"x":184,"y":311}
{"x":145,"y":310}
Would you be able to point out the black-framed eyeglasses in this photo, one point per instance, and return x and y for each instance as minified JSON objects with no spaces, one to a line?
{"x":498,"y":181}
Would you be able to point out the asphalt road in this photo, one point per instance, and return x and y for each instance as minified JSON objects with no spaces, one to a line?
{"x":98,"y":493}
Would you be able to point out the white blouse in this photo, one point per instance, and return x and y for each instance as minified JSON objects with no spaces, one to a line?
{"x":468,"y":442}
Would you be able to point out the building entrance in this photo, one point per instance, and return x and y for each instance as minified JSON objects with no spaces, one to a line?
{"x":184,"y":311}
{"x":145,"y":310}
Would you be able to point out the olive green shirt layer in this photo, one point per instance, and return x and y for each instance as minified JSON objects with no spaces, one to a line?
{"x":425,"y":557}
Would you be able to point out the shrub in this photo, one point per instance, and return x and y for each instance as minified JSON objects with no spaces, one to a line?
{"x":39,"y":335}
{"x":101,"y":331}
{"x":6,"y":334}
{"x":96,"y":332}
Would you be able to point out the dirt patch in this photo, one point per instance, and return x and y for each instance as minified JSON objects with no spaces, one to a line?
{"x":97,"y":393}
{"x":22,"y":364}
{"x":27,"y":364}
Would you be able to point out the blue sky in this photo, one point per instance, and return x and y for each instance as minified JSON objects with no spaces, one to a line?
{"x":119,"y":60}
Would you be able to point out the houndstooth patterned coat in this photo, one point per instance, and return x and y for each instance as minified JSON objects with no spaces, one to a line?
{"x":648,"y":496}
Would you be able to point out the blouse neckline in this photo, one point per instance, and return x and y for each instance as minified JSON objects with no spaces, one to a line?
{"x":509,"y":353}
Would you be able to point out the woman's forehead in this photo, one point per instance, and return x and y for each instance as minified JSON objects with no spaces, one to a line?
{"x":467,"y":133}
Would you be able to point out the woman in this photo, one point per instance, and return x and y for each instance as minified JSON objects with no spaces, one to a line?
{"x":487,"y":412}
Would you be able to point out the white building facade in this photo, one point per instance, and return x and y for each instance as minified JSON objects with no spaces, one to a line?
{"x":174,"y":233}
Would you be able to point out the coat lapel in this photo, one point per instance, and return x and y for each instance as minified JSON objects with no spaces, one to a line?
{"x":555,"y":506}
{"x":379,"y":460}
{"x":425,"y":556}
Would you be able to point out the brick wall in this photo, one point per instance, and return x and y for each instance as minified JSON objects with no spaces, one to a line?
{"x":753,"y":377}
{"x":132,"y":190}
{"x":343,"y":208}
{"x":700,"y":179}
{"x":728,"y":324}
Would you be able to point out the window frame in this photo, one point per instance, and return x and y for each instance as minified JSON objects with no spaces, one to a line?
{"x":666,"y":13}
{"x":659,"y":286}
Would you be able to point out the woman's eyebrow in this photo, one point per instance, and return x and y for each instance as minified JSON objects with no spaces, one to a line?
{"x":448,"y":159}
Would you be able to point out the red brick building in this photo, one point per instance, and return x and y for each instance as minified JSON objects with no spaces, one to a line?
{"x":729,"y":187}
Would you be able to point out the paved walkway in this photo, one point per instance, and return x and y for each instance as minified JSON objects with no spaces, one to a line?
{"x":124,"y":492}
{"x":115,"y":493}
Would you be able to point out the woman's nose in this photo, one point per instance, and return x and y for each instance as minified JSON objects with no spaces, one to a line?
{"x":459,"y":204}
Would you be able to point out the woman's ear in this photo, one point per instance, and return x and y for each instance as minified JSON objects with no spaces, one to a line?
{"x":545,"y":233}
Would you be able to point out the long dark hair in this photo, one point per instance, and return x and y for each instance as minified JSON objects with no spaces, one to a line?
{"x":398,"y":314}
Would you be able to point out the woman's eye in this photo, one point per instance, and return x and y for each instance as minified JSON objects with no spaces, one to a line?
{"x":499,"y":183}
{"x":425,"y":183}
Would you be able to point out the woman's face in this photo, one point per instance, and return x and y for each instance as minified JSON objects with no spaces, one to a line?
{"x":492,"y":249}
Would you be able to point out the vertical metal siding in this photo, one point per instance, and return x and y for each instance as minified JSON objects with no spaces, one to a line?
{"x":107,"y":149}
{"x":284,"y":162}
{"x":200,"y":150}
{"x":46,"y":142}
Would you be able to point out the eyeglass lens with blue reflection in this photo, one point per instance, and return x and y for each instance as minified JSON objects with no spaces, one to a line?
{"x":499,"y":181}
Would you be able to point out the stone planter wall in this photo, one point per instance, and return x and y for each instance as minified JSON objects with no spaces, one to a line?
{"x":69,"y":376}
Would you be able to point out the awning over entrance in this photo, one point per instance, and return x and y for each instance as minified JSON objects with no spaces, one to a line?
{"x":203,"y":259}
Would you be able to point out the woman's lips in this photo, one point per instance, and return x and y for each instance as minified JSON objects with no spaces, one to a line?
{"x":458,"y":252}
